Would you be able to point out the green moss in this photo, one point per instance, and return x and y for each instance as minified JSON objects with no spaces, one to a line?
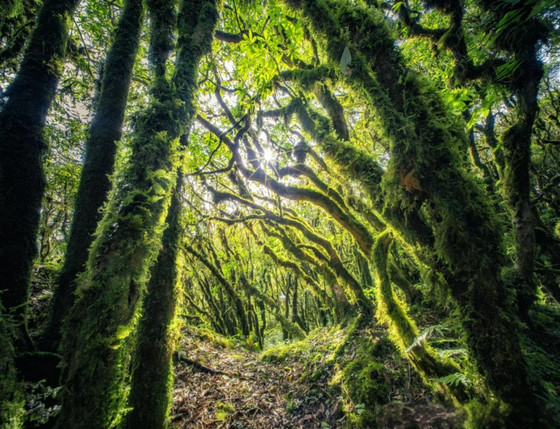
{"x":481,"y":415}
{"x":223,"y":410}
{"x":363,"y":380}
{"x":214,"y":338}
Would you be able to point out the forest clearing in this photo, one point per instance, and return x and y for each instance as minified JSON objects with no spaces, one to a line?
{"x":336,"y":214}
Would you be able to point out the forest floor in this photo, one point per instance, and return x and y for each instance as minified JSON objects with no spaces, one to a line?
{"x":326,"y":381}
{"x":218,"y":387}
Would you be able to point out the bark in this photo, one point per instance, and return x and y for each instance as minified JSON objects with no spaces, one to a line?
{"x":105,"y":130}
{"x":22,"y":182}
{"x":517,"y":180}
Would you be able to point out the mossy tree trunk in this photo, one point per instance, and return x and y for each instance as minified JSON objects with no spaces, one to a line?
{"x":110,"y":292}
{"x":426,"y":176}
{"x":105,"y":130}
{"x":521,"y":40}
{"x":22,"y":182}
{"x":152,"y":376}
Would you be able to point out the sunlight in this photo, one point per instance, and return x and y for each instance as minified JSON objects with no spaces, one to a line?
{"x":269,"y":155}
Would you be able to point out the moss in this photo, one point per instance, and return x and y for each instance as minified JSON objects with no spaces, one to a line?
{"x":307,"y":77}
{"x":317,"y":342}
{"x":10,"y":9}
{"x":363,"y":380}
{"x":223,"y":410}
{"x":482,"y":415}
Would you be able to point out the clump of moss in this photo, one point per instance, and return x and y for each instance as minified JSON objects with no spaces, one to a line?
{"x":363,"y":380}
{"x":207,"y":335}
{"x":486,"y":415}
{"x":223,"y":410}
{"x":370,"y":373}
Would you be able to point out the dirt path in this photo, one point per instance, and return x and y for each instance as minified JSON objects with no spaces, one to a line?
{"x":244,"y":392}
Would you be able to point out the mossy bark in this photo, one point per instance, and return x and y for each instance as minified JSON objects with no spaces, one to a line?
{"x":152,"y":376}
{"x":404,"y":332}
{"x":516,"y":140}
{"x":105,"y":130}
{"x":426,"y":175}
{"x":22,"y":182}
{"x":104,"y":317}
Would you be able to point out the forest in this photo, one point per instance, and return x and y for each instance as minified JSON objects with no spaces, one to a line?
{"x":279,"y":214}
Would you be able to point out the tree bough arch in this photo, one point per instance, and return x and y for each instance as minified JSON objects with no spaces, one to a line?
{"x":287,"y":173}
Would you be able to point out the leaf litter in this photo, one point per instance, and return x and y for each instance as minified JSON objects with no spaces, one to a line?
{"x":234,"y":388}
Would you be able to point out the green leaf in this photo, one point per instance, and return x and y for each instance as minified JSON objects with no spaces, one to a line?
{"x":454,"y":379}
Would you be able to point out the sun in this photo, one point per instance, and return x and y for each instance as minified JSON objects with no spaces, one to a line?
{"x":269,"y":155}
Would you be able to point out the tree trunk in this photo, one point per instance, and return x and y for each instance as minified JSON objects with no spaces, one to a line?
{"x":105,"y":130}
{"x":150,"y":392}
{"x":22,"y":182}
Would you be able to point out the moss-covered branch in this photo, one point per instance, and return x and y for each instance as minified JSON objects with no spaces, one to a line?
{"x":230,"y":290}
{"x":345,"y":219}
{"x":334,"y":259}
{"x":403,"y":331}
{"x":286,"y":324}
{"x":324,"y":298}
{"x":427,"y":171}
